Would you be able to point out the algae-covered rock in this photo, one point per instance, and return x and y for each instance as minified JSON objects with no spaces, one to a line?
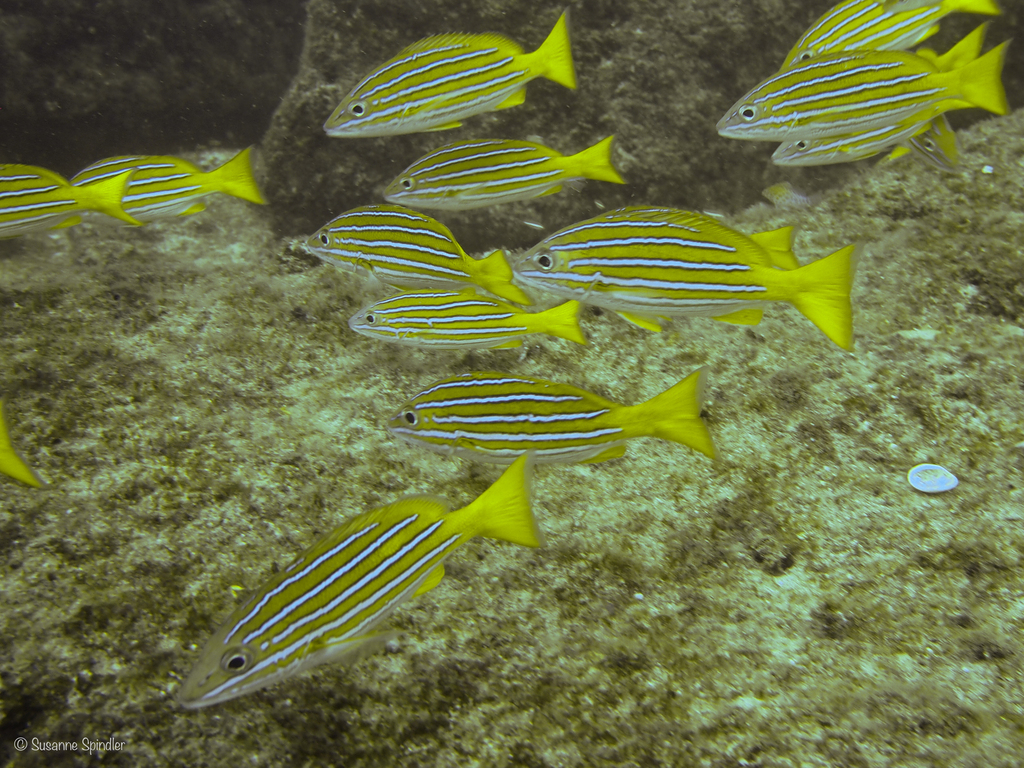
{"x":194,"y":396}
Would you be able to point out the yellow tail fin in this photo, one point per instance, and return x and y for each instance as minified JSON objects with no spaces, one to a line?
{"x":503,"y":511}
{"x":562,"y":321}
{"x":675,"y":414}
{"x":554,"y":57}
{"x":105,"y":196}
{"x":494,"y":274}
{"x":11,"y":462}
{"x":595,"y":163}
{"x":981,"y":7}
{"x":981,"y":83}
{"x":823,"y":294}
{"x":235,"y":178}
{"x":779,"y":244}
{"x":961,"y":54}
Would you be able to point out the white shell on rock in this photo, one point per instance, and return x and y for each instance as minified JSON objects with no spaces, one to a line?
{"x":931,"y":478}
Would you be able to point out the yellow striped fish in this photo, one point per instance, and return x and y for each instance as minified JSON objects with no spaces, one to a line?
{"x":324,"y":606}
{"x":435,"y":83}
{"x":13,"y":463}
{"x":841,"y":93}
{"x":932,"y":141}
{"x":408,"y":249}
{"x":936,"y":146}
{"x":33,"y":199}
{"x":482,"y":172}
{"x":169,"y":186}
{"x":654,"y":262}
{"x":497,"y":417}
{"x":461,"y":320}
{"x":868,"y":26}
{"x":847,"y":147}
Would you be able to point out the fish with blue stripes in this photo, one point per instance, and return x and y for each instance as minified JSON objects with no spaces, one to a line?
{"x":496,"y":417}
{"x":437,"y":82}
{"x":868,"y":25}
{"x":933,"y":141}
{"x":34,"y":199}
{"x":844,"y":93}
{"x":462,"y":320}
{"x":936,"y":146}
{"x":408,"y":249}
{"x":651,"y":263}
{"x":325,"y":605}
{"x":482,"y":172}
{"x":163,"y":186}
{"x":12,"y":463}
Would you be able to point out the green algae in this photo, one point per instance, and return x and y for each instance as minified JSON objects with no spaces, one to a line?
{"x":193,"y":394}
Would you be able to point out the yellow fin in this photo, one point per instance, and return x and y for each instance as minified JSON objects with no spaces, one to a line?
{"x":742,"y":317}
{"x":961,"y":54}
{"x":105,"y":196}
{"x":779,"y":244}
{"x":493,"y":273}
{"x":552,"y":191}
{"x":445,"y":127}
{"x":675,"y":414}
{"x":562,"y":321}
{"x":981,"y":83}
{"x":823,"y":294}
{"x":235,"y":178}
{"x":647,"y":323}
{"x":195,"y":208}
{"x":11,"y":462}
{"x":503,"y":511}
{"x":514,"y":100}
{"x":430,"y":582}
{"x":594,"y":163}
{"x":900,"y":151}
{"x":70,"y":221}
{"x":615,"y":452}
{"x":553,"y":59}
{"x":509,"y":344}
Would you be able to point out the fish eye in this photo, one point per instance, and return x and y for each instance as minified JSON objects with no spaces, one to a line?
{"x":929,"y":145}
{"x":808,"y":54}
{"x":324,"y":239}
{"x":357,"y":108}
{"x":371,"y":319}
{"x":406,"y":183}
{"x":236,"y":660}
{"x":544,"y":261}
{"x":801,"y":144}
{"x":410,"y":417}
{"x":748,"y":113}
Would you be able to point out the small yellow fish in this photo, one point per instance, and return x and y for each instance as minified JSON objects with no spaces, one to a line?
{"x":11,"y":462}
{"x":325,"y":605}
{"x":435,"y":83}
{"x":164,"y":186}
{"x":461,"y":320}
{"x":33,"y":199}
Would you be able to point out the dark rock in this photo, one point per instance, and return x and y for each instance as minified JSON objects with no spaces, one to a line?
{"x":80,"y":80}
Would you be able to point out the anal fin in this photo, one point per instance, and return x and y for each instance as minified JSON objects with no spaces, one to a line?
{"x":742,"y":317}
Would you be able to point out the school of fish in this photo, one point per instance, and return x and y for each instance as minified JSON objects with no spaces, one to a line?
{"x":849,"y":89}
